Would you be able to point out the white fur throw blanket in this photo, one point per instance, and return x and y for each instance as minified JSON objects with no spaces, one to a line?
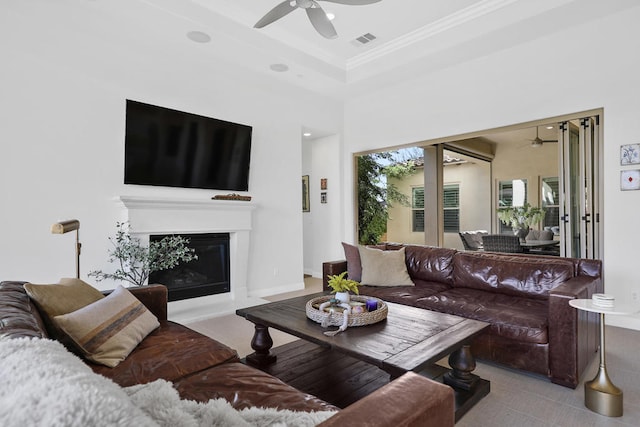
{"x":42,"y":384}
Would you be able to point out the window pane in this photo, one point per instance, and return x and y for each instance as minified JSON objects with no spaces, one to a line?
{"x":549,"y":194}
{"x":512,"y":193}
{"x":451,"y":220}
{"x":418,"y":198}
{"x":418,"y":220}
{"x":451,"y":213}
{"x":451,"y":196}
{"x":552,"y":217}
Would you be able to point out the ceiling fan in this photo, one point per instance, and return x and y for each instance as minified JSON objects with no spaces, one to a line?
{"x":537,"y":141}
{"x":316,"y":14}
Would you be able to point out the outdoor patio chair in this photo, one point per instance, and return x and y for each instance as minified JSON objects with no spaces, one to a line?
{"x":502,"y":243}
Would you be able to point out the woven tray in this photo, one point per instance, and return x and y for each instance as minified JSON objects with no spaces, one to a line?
{"x":355,"y":319}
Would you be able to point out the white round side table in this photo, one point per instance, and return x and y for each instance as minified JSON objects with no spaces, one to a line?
{"x":600,"y":394}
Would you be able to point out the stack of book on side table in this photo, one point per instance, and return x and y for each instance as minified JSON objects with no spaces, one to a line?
{"x":603,"y":300}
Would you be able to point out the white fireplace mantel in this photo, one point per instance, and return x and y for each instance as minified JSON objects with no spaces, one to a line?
{"x":154,"y":215}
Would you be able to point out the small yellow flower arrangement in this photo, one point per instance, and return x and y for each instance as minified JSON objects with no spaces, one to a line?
{"x":339,"y":283}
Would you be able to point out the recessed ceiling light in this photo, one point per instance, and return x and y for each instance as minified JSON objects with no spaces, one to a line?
{"x":307,"y":134}
{"x":280,"y":68}
{"x":199,"y":37}
{"x":549,"y":127}
{"x":331,"y":16}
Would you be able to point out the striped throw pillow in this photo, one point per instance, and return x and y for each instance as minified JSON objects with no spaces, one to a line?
{"x":109,"y":329}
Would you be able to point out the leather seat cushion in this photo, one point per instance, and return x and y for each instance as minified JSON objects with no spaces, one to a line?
{"x":521,"y":319}
{"x":170,"y":352}
{"x":244,"y":386}
{"x":404,"y":294}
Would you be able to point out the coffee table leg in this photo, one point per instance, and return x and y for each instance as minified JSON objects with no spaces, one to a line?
{"x":462,"y":364}
{"x":261,"y":343}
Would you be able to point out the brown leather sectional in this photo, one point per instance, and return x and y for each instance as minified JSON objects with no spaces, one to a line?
{"x":202,"y":368}
{"x":524,"y":297}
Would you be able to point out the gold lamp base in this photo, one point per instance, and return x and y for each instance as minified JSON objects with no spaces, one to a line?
{"x":601,"y":396}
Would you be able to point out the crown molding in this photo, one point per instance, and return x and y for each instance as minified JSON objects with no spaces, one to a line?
{"x":467,"y":14}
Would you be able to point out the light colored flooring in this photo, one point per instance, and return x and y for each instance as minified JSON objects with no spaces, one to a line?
{"x":516,"y":399}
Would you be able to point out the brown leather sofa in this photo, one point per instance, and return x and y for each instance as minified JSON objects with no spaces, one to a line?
{"x":202,"y":368}
{"x":524,"y":297}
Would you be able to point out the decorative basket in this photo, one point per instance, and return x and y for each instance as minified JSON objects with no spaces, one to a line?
{"x":355,"y":319}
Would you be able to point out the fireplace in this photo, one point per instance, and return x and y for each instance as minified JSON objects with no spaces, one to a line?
{"x":179,"y":216}
{"x":207,"y":275}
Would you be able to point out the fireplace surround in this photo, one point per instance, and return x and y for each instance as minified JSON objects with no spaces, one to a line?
{"x":156,"y":216}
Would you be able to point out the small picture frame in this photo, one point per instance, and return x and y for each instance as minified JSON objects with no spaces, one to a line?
{"x":629,"y":154}
{"x":630,"y":180}
{"x":305,"y":194}
{"x":323,"y":183}
{"x":323,"y":197}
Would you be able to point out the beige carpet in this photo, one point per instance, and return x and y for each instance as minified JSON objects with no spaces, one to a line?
{"x":516,"y":399}
{"x":236,"y":332}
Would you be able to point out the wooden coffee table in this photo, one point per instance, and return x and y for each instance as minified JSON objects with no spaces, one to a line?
{"x":410,"y":339}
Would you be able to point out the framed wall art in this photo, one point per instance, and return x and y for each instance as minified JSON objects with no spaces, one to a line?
{"x":630,"y":154}
{"x":305,"y":194}
{"x":630,"y":180}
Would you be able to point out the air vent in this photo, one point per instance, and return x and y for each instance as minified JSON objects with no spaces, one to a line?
{"x":363,"y":39}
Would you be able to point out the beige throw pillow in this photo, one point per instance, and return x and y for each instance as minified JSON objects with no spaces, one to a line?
{"x":67,"y":296}
{"x":384,"y":268}
{"x":108,"y":330}
{"x":62,"y":298}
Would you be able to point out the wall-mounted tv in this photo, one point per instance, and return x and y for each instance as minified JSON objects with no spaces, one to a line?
{"x":172,"y":148}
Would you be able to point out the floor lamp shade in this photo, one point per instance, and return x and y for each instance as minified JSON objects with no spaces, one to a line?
{"x":64,"y":227}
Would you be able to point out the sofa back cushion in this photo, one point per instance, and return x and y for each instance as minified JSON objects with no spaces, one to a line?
{"x":430,"y":264}
{"x":19,"y":317}
{"x":510,"y":274}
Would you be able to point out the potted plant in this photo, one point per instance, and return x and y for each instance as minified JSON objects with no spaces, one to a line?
{"x":135,"y":262}
{"x":341,"y":286}
{"x":521,"y":218}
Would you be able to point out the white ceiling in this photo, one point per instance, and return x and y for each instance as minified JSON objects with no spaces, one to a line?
{"x":413,"y":36}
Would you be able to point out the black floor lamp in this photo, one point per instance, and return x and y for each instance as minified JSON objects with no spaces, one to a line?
{"x":64,"y":227}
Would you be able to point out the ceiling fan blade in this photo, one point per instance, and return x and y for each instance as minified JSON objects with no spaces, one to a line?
{"x":353,"y":2}
{"x":321,"y":23}
{"x":276,"y":13}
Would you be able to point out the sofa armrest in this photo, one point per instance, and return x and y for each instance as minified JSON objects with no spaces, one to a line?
{"x":409,"y":401}
{"x":155,"y":298}
{"x":573,"y":334}
{"x":331,"y":268}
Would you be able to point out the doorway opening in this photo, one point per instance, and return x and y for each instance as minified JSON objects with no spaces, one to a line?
{"x":461,"y":183}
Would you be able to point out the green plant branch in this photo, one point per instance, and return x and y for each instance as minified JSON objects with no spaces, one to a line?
{"x":137,"y":262}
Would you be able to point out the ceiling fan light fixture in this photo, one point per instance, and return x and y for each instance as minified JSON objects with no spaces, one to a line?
{"x":536,"y":143}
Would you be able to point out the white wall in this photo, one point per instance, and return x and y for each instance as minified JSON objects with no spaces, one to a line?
{"x":323,"y":224}
{"x":62,"y":112}
{"x":590,"y":65}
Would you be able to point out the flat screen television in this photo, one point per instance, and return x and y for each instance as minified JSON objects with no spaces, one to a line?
{"x":172,"y":148}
